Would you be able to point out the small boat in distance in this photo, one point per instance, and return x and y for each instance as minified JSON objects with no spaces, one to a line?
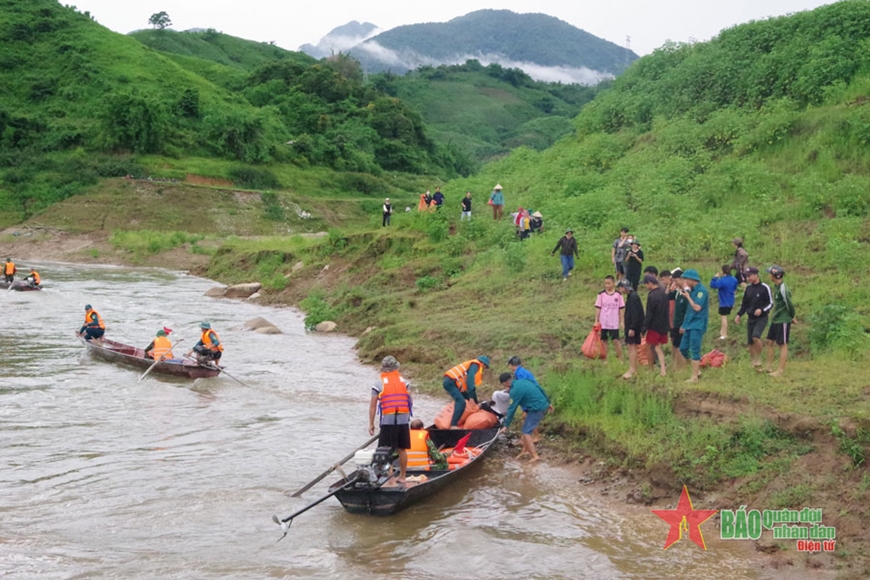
{"x":19,"y":286}
{"x":365,"y":491}
{"x":112,"y":351}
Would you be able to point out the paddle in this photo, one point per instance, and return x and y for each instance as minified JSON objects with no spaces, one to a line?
{"x":285,"y":523}
{"x":341,"y":462}
{"x":145,"y":374}
{"x":211,"y":365}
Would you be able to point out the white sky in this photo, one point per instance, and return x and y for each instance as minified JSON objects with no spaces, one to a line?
{"x":289,"y":24}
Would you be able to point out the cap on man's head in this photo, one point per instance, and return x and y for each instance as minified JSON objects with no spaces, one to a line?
{"x":504,"y":377}
{"x":205,"y":325}
{"x":650,"y":279}
{"x":161,"y":332}
{"x":751,"y":270}
{"x":569,"y":231}
{"x":87,"y":307}
{"x":390,"y":362}
{"x":776,"y":271}
{"x":634,"y":241}
{"x":624,"y":283}
{"x":737,"y":241}
{"x":484,"y":360}
{"x":691,"y":274}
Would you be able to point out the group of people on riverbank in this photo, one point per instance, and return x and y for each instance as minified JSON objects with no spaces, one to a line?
{"x":391,"y":399}
{"x":678,"y":304}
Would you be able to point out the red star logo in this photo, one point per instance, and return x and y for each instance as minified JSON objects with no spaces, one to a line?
{"x":685,"y":518}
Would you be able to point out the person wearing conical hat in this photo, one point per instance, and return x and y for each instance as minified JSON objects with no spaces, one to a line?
{"x":496,"y":200}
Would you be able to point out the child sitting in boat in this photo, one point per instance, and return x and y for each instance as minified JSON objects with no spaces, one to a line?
{"x":423,"y":453}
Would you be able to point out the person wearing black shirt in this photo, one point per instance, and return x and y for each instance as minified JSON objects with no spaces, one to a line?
{"x":388,"y":211}
{"x":466,"y":206}
{"x":567,"y":246}
{"x":633,"y":263}
{"x":633,"y":324}
{"x":757,"y":302}
{"x":656,"y":323}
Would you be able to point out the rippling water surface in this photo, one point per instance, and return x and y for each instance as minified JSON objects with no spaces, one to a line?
{"x":103,"y":476}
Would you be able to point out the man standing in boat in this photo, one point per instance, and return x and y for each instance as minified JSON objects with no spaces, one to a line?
{"x":9,"y":270}
{"x":94,"y":327}
{"x":209,"y":348}
{"x":390,"y":397}
{"x":461,"y":383}
{"x":160,"y":348}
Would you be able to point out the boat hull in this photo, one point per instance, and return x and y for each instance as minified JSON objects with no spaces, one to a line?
{"x":389,"y":499}
{"x":19,"y":286}
{"x":132,"y":356}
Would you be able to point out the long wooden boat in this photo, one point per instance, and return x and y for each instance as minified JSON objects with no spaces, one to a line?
{"x":133,"y":356}
{"x":19,"y":286}
{"x":362,"y":493}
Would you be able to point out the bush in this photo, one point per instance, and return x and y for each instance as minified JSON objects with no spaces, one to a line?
{"x":836,"y":327}
{"x":317,"y":310}
{"x":254,"y":178}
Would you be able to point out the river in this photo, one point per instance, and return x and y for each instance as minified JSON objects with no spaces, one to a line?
{"x":104,"y":476}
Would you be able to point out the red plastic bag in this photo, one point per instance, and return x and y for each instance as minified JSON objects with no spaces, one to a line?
{"x":593,"y":347}
{"x":714,"y":359}
{"x":644,"y":353}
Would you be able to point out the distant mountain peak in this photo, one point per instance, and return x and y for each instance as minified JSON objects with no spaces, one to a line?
{"x":341,"y":39}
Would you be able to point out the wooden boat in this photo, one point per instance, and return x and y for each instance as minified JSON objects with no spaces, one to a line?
{"x":19,"y":286}
{"x":384,"y":496}
{"x":133,"y":356}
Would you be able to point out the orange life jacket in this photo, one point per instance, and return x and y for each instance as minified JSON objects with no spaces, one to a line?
{"x":459,"y":373}
{"x":89,"y":319}
{"x":9,"y":268}
{"x":418,"y":454}
{"x":208,"y":343}
{"x":162,"y":348}
{"x":36,"y":279}
{"x":394,"y":398}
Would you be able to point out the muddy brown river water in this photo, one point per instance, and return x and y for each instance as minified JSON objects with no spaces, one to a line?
{"x":103,"y":476}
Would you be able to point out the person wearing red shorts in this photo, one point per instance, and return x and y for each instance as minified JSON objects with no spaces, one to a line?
{"x":656,"y":323}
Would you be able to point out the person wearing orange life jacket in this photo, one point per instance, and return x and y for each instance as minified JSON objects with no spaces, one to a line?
{"x":423,"y":452}
{"x":94,"y":327}
{"x":391,"y":398}
{"x":209,"y":348}
{"x":461,"y":383}
{"x":160,"y":348}
{"x":9,"y":270}
{"x":34,"y":279}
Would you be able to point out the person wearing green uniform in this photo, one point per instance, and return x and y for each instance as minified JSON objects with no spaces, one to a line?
{"x":695,"y":322}
{"x":780,"y":321}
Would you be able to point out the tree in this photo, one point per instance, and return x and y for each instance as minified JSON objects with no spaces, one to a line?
{"x":160,"y":20}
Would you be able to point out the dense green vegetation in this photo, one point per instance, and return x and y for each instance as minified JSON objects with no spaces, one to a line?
{"x":79,"y":100}
{"x":486,"y":111}
{"x":523,"y":38}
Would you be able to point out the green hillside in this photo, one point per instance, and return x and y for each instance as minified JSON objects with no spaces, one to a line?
{"x":487,"y":111}
{"x":79,"y":102}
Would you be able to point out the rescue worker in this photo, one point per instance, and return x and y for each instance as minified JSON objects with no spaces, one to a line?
{"x":461,"y":383}
{"x":209,"y":348}
{"x":94,"y":327}
{"x":423,"y":454}
{"x":34,"y":279}
{"x":160,"y":348}
{"x":390,"y":397}
{"x":9,"y":270}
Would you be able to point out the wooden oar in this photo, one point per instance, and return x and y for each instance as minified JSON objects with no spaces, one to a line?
{"x":145,"y":374}
{"x":285,"y":523}
{"x":212,"y":365}
{"x":341,"y":462}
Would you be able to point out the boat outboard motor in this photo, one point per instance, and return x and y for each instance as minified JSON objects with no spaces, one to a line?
{"x":373,"y":467}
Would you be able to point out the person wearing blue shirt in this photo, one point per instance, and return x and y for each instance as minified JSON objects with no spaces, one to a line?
{"x":726,"y":284}
{"x":530,"y":398}
{"x":695,"y":322}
